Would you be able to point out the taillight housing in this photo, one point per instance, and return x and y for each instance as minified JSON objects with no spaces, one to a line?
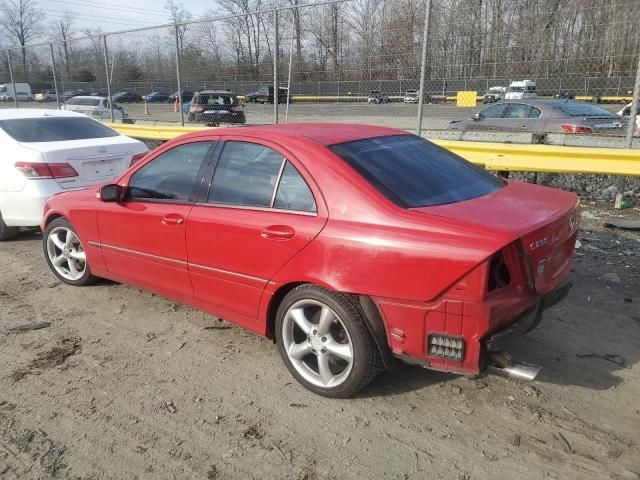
{"x":43,"y":171}
{"x":571,"y":128}
{"x":136,"y":158}
{"x":237,"y":108}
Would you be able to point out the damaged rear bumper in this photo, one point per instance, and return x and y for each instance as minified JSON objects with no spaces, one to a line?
{"x":528,"y":320}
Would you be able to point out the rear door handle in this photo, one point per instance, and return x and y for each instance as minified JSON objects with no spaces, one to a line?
{"x":173,"y":219}
{"x":278,"y":232}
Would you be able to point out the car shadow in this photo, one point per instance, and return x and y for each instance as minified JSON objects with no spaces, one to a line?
{"x":27,"y":235}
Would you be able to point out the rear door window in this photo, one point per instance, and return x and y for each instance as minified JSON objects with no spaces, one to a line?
{"x":293,"y":192}
{"x":494,"y":111}
{"x":55,"y":129}
{"x":584,"y":110}
{"x":412,"y":172}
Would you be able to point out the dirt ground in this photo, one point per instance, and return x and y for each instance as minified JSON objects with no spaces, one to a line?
{"x":124,"y":384}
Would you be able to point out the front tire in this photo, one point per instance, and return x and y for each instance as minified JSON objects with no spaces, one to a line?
{"x":324,"y":342}
{"x":65,"y":253}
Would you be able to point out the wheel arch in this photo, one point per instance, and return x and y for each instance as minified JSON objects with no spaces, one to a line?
{"x":51,"y":216}
{"x":370,"y":312}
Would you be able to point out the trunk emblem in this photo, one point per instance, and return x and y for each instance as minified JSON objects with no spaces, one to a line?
{"x":539,"y":243}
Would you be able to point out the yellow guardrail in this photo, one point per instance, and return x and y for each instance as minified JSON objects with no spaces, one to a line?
{"x":492,"y":156}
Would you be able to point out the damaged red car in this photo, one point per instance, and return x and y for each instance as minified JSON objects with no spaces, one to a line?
{"x":351,"y":246}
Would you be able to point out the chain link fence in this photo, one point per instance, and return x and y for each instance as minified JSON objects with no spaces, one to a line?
{"x":355,"y":61}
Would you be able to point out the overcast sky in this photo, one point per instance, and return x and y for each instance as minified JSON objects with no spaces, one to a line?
{"x":116,"y":14}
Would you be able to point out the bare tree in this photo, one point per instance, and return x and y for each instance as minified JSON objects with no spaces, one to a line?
{"x":180,"y":16}
{"x":21,"y":21}
{"x":62,"y":31}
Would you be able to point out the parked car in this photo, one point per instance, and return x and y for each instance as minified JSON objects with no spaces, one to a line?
{"x":67,"y":94}
{"x":265,"y":95}
{"x":350,"y":245}
{"x":565,"y":95}
{"x":98,"y":93}
{"x":95,"y":107}
{"x":156,"y":97}
{"x":187,"y":95}
{"x":521,"y":89}
{"x":46,"y":152}
{"x":251,"y":97}
{"x":550,"y":116}
{"x":216,"y":106}
{"x":377,"y":97}
{"x":126,"y":97}
{"x":46,"y":96}
{"x":494,"y":94}
{"x":22,"y":92}
{"x":411,"y":96}
{"x":626,"y":113}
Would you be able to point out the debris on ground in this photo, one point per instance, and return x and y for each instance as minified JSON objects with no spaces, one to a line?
{"x":623,"y":224}
{"x":30,"y":326}
{"x":617,"y":359}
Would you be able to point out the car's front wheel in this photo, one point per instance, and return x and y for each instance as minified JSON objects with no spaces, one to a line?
{"x":65,"y":253}
{"x":324,"y":342}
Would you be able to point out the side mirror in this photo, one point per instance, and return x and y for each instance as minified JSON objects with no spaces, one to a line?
{"x":110,"y":193}
{"x":477,"y":116}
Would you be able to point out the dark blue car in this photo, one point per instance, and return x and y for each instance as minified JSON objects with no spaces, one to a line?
{"x":156,"y":97}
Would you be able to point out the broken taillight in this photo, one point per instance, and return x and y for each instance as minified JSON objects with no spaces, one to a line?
{"x":499,"y":276}
{"x":42,"y":171}
{"x":136,"y":158}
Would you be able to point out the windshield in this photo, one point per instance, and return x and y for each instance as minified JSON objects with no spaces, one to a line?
{"x":584,"y":110}
{"x":90,"y":102}
{"x":213,"y":99}
{"x":55,"y":129}
{"x":412,"y":172}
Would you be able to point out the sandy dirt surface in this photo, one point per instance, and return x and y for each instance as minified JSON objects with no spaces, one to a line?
{"x":124,"y":384}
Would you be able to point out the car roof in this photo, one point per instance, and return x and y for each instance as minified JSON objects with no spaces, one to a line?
{"x":91,"y":97}
{"x":215,"y":92}
{"x":13,"y":113}
{"x":325,"y":134}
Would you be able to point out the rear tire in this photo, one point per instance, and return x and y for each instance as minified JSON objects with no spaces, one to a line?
{"x":324,"y":342}
{"x":7,"y":233}
{"x":65,"y":254}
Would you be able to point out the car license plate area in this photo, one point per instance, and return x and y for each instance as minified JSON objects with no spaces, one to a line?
{"x":100,"y":169}
{"x":607,"y":125}
{"x":217,"y":112}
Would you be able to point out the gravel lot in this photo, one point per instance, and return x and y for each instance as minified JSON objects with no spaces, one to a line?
{"x":126,"y":384}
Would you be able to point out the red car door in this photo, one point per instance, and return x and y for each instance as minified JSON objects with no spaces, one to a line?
{"x":258,"y":213}
{"x":143,"y":237}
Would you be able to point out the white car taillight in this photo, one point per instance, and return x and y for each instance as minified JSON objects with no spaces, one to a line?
{"x":136,"y":158}
{"x":42,"y":171}
{"x":571,"y":128}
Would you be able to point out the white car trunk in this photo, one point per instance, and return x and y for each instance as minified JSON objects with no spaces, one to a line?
{"x":95,"y":159}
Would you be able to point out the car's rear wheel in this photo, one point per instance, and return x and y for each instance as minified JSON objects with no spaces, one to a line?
{"x":65,"y":253}
{"x":324,"y":342}
{"x":7,"y":233}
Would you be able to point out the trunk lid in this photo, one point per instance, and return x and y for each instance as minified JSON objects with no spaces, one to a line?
{"x":545,"y":220}
{"x":95,"y":160}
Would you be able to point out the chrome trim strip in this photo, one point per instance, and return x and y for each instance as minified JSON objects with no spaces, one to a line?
{"x":277,"y":184}
{"x":257,"y":209}
{"x":104,"y":155}
{"x":181,"y":262}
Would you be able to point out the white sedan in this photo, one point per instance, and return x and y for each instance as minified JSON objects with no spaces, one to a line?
{"x":45,"y":152}
{"x":95,"y":107}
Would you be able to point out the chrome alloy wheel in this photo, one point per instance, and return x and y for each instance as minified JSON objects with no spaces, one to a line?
{"x":317,"y":343}
{"x":66,"y":253}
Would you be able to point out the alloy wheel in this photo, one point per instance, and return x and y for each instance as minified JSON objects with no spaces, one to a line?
{"x":66,"y":254}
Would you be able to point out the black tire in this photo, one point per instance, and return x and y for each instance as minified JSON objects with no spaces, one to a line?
{"x":366,"y":357}
{"x":87,"y":278}
{"x":7,"y":233}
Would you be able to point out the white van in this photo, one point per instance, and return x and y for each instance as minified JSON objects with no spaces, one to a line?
{"x":521,"y":89}
{"x":22,"y":93}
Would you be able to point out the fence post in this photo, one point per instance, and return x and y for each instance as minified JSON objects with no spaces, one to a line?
{"x":631,"y":128}
{"x":13,"y":83}
{"x":53,"y":71}
{"x":178,"y":74}
{"x":293,"y":34}
{"x":106,"y":71}
{"x":276,"y":93}
{"x":423,"y":67}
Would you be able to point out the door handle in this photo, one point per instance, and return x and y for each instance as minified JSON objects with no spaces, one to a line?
{"x":172,"y":219}
{"x":277,"y":232}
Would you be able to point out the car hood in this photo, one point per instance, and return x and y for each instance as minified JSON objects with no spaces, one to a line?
{"x":545,"y":221}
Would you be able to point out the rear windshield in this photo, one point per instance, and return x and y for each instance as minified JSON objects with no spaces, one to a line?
{"x":584,"y":110}
{"x":412,"y":172}
{"x":55,"y":129}
{"x":212,"y":99}
{"x":90,"y":102}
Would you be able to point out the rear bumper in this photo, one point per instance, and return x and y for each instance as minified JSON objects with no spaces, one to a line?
{"x":528,"y":320}
{"x":26,"y":207}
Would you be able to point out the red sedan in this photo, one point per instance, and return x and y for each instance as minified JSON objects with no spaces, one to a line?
{"x":351,"y":246}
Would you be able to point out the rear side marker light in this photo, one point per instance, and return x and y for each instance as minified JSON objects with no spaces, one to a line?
{"x":446,"y":347}
{"x":42,"y":171}
{"x":136,"y":158}
{"x":570,"y":128}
